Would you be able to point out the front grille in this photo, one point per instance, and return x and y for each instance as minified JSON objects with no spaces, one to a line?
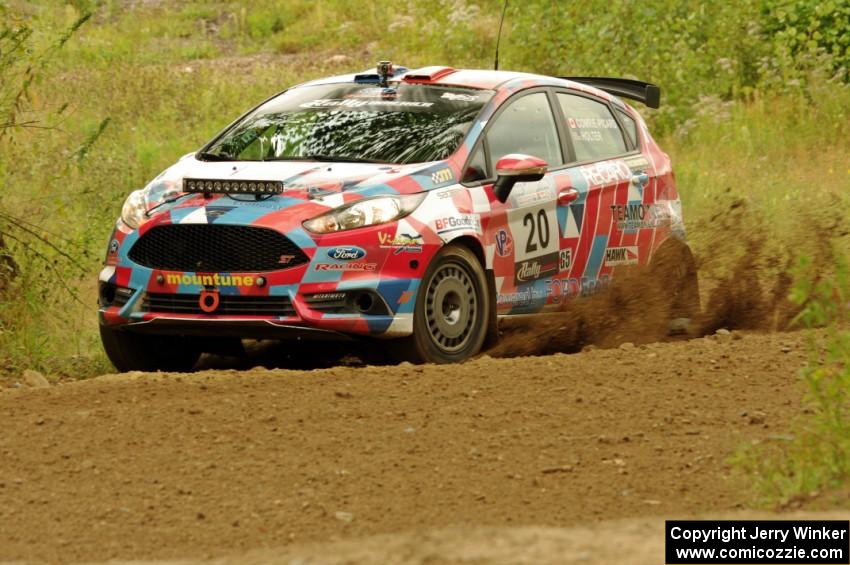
{"x":228,"y":305}
{"x":216,"y":248}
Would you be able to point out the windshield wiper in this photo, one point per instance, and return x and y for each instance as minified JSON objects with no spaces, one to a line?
{"x":328,"y":159}
{"x":207,"y":156}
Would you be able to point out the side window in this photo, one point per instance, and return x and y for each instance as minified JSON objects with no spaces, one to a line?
{"x":631,"y":128}
{"x":526,"y":126}
{"x":593,"y":129}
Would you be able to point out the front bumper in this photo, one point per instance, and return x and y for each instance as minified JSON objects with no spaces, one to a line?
{"x":321,"y":298}
{"x":373,"y":307}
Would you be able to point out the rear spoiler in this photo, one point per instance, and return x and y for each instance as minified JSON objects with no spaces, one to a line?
{"x":645,"y":92}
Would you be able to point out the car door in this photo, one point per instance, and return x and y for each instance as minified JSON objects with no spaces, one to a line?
{"x":605,"y":209}
{"x":522,"y":234}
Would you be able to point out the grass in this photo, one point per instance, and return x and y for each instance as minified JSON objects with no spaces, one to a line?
{"x":775,"y":170}
{"x":814,"y":458}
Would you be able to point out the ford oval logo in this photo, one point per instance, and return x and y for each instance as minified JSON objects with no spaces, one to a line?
{"x":346,"y":253}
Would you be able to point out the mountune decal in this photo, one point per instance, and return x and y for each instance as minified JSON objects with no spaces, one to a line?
{"x":211,"y":280}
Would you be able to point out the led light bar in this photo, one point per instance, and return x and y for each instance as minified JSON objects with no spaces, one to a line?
{"x":220,"y":186}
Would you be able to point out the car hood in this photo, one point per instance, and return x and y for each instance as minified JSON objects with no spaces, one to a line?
{"x":305,"y":180}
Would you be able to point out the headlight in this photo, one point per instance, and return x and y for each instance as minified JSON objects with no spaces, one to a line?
{"x":366,"y":212}
{"x":134,"y":212}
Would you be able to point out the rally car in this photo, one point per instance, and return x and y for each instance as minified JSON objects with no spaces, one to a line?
{"x":417,"y":206}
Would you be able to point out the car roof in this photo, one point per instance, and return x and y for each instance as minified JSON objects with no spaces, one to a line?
{"x":466,"y":78}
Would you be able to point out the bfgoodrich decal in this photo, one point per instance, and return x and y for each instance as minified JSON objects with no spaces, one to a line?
{"x":459,"y":222}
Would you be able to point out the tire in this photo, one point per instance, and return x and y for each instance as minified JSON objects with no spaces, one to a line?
{"x":675,"y":268}
{"x":141,"y":352}
{"x":453,"y":309}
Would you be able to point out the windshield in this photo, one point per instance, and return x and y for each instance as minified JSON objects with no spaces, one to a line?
{"x":354,"y":122}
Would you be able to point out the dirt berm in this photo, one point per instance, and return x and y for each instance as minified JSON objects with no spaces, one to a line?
{"x":226,"y":463}
{"x":635,"y":541}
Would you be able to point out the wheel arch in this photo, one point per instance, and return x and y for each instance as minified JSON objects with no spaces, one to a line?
{"x":672,"y":245}
{"x":474,"y":245}
{"x":674,"y":260}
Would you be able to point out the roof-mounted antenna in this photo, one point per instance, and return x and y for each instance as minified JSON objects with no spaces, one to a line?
{"x":499,"y":37}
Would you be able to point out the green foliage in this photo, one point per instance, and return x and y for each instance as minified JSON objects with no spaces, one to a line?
{"x":816,"y":456}
{"x":692,"y":49}
{"x":805,"y":30}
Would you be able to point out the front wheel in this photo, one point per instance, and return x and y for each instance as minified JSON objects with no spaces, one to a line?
{"x":141,"y":352}
{"x":450,"y":319}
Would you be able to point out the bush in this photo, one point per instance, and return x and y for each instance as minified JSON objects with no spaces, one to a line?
{"x":804,"y":31}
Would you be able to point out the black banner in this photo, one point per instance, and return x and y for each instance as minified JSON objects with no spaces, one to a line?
{"x":764,"y":542}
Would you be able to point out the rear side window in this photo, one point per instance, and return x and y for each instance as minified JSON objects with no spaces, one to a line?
{"x":631,"y":128}
{"x":593,"y":129}
{"x":526,"y":126}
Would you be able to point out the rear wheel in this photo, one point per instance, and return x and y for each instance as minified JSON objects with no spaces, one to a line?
{"x":450,"y":320}
{"x":141,"y":352}
{"x":675,"y":268}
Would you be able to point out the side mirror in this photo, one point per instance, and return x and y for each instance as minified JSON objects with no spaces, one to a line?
{"x":515,"y":168}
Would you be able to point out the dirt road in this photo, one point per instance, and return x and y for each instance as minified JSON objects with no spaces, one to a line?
{"x":142,"y":466}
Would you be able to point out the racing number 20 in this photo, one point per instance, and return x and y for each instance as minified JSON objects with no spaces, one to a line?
{"x":542,"y":225}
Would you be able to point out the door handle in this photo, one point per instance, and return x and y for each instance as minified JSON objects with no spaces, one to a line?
{"x":567,"y":195}
{"x":640,"y":179}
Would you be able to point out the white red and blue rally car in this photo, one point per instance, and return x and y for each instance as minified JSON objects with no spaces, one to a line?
{"x":412,"y":205}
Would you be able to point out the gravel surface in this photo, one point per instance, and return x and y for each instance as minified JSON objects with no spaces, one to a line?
{"x":167,"y":466}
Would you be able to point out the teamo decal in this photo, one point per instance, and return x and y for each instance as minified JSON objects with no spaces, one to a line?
{"x":637,"y":216}
{"x":346,"y":253}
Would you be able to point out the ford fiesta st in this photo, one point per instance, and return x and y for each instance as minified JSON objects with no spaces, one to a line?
{"x":416,"y":206}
